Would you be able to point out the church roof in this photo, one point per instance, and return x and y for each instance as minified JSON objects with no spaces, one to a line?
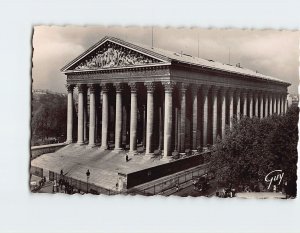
{"x":169,"y":57}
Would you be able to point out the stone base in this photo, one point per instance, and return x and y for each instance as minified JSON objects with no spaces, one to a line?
{"x":69,"y":142}
{"x":166,"y":158}
{"x":91,"y":145}
{"x":80,"y":143}
{"x":117,"y":150}
{"x":148,"y":155}
{"x":132,"y":153}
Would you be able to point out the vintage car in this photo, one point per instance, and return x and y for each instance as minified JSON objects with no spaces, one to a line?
{"x":201,"y":183}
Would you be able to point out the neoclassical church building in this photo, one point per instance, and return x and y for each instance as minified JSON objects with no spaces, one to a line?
{"x":133,"y":96}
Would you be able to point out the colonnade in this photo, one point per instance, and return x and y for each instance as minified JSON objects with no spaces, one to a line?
{"x":181,"y":115}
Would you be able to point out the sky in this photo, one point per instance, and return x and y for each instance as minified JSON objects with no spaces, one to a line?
{"x":270,"y":52}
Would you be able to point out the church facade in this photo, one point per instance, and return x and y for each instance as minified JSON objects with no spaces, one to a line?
{"x":132,"y":96}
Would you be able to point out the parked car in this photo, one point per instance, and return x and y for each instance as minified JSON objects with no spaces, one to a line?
{"x":201,"y":183}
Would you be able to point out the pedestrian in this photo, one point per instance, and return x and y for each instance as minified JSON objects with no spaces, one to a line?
{"x":127,"y":159}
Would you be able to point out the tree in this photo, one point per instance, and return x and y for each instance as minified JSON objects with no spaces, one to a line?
{"x":49,"y":117}
{"x":253,"y":147}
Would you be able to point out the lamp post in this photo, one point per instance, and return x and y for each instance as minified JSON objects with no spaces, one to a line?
{"x":87,"y":180}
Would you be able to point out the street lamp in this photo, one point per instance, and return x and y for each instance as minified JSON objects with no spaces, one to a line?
{"x":87,"y":180}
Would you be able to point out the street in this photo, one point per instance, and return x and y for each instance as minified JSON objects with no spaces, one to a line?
{"x":190,"y":191}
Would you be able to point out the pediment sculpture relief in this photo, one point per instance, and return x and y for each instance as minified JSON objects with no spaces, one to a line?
{"x":112,"y":56}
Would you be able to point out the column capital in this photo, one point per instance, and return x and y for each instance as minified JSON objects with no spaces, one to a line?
{"x":230,"y":91}
{"x":70,"y":87}
{"x":92,"y":88}
{"x":195,"y":88}
{"x":205,"y":89}
{"x":255,"y":94}
{"x":183,"y":87}
{"x":250,"y":93}
{"x":244,"y":92}
{"x":237,"y":91}
{"x":104,"y":87}
{"x":133,"y":87}
{"x":215,"y":89}
{"x":150,"y":86}
{"x":169,"y":86}
{"x":81,"y":88}
{"x":223,"y":90}
{"x":119,"y":87}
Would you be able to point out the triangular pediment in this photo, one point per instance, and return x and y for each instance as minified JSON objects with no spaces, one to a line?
{"x":110,"y":54}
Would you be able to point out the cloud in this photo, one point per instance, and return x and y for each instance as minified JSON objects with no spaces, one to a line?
{"x":270,"y":52}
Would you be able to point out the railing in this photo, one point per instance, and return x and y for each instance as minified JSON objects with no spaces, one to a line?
{"x":166,"y":185}
{"x":81,"y":185}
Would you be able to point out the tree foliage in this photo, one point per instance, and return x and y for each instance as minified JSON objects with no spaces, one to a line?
{"x":254,"y":147}
{"x":49,"y":118}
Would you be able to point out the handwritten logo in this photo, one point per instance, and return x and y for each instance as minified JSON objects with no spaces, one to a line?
{"x":274,"y":176}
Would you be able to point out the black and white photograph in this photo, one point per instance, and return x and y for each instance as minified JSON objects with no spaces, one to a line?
{"x":129,"y":116}
{"x":164,"y":111}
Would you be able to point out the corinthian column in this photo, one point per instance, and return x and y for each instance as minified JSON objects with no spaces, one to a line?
{"x":230,"y":102}
{"x":244,"y":102}
{"x":204,"y":93}
{"x":222,"y":104}
{"x":278,"y":103}
{"x":70,"y":89}
{"x":250,"y":104}
{"x":92,"y":128}
{"x":266,"y":105}
{"x":255,"y":104}
{"x":281,"y":104}
{"x":238,"y":103}
{"x":195,"y":115}
{"x":133,"y":118}
{"x":214,"y":93}
{"x":118,"y":126}
{"x":85,"y":115}
{"x":183,"y":88}
{"x":150,"y":106}
{"x":104,"y":130}
{"x":81,"y":89}
{"x":261,"y":105}
{"x":169,"y":86}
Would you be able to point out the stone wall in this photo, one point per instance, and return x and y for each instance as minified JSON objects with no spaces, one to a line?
{"x":36,"y":151}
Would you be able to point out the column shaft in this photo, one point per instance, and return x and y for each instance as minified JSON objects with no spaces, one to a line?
{"x":230,"y":101}
{"x":261,"y":106}
{"x":245,"y":103}
{"x":133,"y":118}
{"x":214,"y":114}
{"x":205,"y":113}
{"x":238,"y":104}
{"x":195,"y":116}
{"x":168,"y":118}
{"x":85,"y":116}
{"x":70,"y":114}
{"x":183,"y":116}
{"x":80,"y":115}
{"x":278,"y":104}
{"x":92,"y":117}
{"x":222,"y":104}
{"x":150,"y":108}
{"x":255,"y":103}
{"x":104,"y":130}
{"x":250,"y":104}
{"x":118,"y":124}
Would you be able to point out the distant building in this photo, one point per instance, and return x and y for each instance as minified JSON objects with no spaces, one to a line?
{"x":293,"y":100}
